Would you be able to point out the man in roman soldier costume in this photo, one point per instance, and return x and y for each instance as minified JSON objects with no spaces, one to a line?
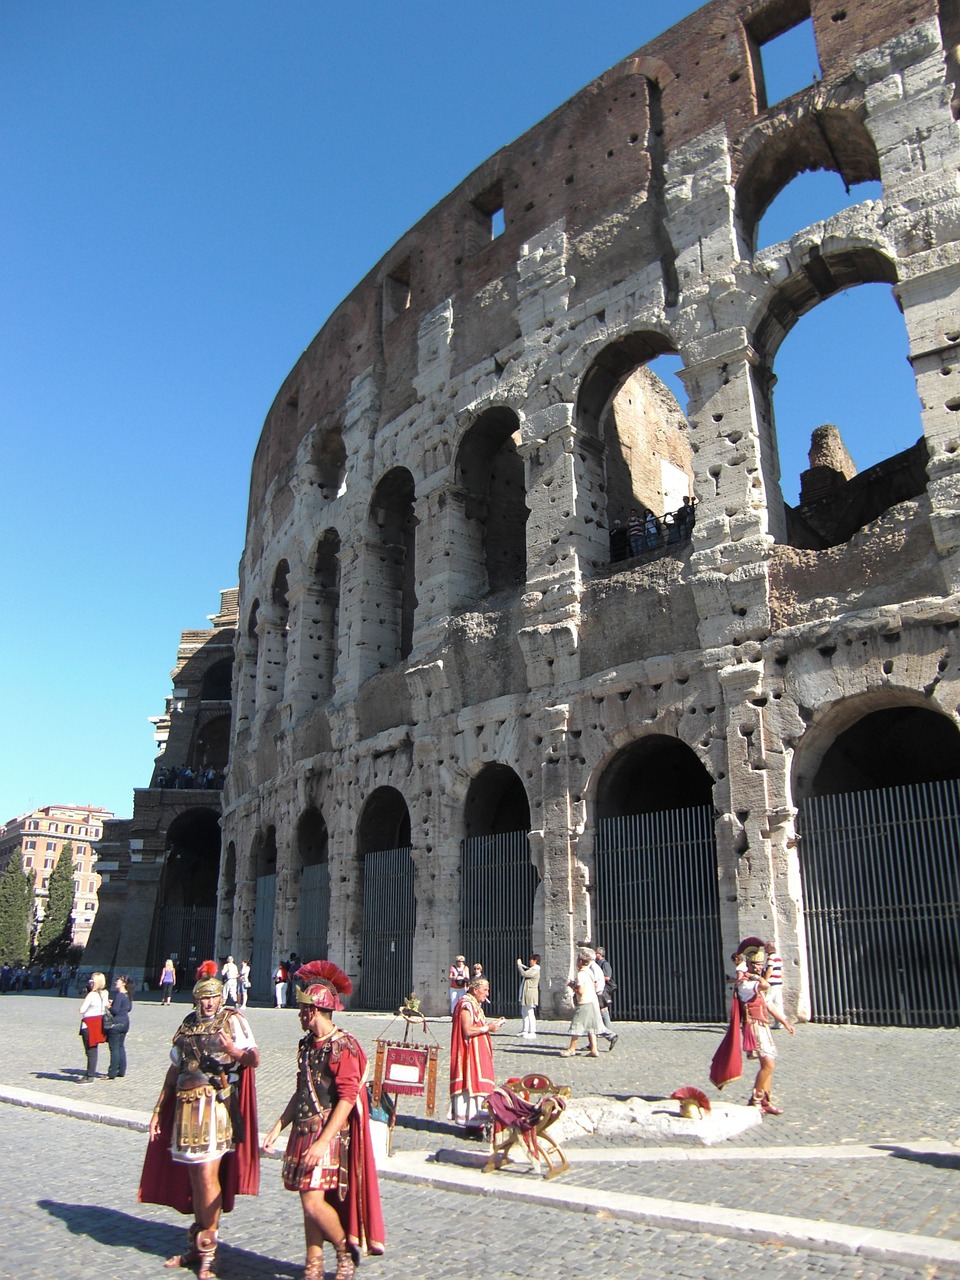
{"x":750,"y":1028}
{"x":203,"y":1149}
{"x":329,"y":1158}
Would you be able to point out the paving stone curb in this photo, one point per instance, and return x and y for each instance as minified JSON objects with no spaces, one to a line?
{"x":460,"y":1172}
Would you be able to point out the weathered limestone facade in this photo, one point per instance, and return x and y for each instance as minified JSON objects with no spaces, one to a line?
{"x":425,"y":589}
{"x":158,"y":870}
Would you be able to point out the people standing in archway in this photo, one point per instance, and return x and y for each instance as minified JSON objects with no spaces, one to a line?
{"x":230,"y":975}
{"x":281,"y":978}
{"x":586,"y":1014}
{"x":168,"y":981}
{"x":471,"y":1059}
{"x":329,"y":1157}
{"x":529,"y":995}
{"x":204,"y":1146}
{"x":458,"y":977}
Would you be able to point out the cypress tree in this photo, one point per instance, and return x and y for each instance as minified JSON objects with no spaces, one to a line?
{"x":16,"y":911}
{"x":56,"y":931}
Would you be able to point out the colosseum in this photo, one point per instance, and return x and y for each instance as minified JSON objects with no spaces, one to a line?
{"x":530,"y":652}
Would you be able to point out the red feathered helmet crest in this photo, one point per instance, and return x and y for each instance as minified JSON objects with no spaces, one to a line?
{"x":322,"y":983}
{"x":207,"y":984}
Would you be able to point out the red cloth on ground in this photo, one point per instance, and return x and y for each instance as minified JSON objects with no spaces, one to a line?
{"x":166,"y":1181}
{"x":471,"y":1057}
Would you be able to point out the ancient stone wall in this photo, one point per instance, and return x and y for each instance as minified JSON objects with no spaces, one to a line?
{"x":426,"y":590}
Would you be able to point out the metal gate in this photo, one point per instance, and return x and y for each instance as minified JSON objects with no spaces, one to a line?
{"x":881,"y":891}
{"x":314,"y":911}
{"x":261,"y":961}
{"x":497,"y":887}
{"x":657,"y":914}
{"x":389,"y":927}
{"x":186,"y":935}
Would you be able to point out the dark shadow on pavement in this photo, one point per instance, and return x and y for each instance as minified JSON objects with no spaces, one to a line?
{"x":158,"y":1239}
{"x":935,"y":1159}
{"x":71,"y":1074}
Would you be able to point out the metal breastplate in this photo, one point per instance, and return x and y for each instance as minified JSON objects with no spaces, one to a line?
{"x":315,"y":1080}
{"x":204,"y":1060}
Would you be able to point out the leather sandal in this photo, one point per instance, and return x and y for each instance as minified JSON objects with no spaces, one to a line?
{"x":313,"y":1270}
{"x":346,"y":1262}
{"x":191,"y":1255}
{"x":207,"y":1249}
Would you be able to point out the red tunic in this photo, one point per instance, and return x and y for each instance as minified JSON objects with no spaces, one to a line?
{"x":471,"y":1057}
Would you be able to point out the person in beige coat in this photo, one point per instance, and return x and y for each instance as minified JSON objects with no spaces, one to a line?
{"x":529,"y":996}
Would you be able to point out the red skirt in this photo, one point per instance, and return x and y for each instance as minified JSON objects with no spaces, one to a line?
{"x":330,"y":1173}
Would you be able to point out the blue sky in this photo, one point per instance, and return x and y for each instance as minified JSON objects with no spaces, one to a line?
{"x":189,"y":192}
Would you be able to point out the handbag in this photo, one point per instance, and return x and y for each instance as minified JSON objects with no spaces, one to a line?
{"x":109,"y":1021}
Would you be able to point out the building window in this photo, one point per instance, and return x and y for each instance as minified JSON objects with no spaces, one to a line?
{"x":51,"y":846}
{"x":68,"y":829}
{"x":28,"y":862}
{"x":33,"y":826}
{"x":48,"y":863}
{"x":43,"y":883}
{"x":30,"y":844}
{"x":396,"y":291}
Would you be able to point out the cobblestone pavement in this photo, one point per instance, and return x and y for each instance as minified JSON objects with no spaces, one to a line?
{"x":855,"y":1088}
{"x":75,"y":1218}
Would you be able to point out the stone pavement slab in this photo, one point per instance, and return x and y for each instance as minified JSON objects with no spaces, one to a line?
{"x":858,"y":1176}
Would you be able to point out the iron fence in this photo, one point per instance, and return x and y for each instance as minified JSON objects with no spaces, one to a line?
{"x":497,"y":887}
{"x":657,"y":915}
{"x":262,"y":958}
{"x":881,"y":886}
{"x":389,"y":927}
{"x":314,"y":911}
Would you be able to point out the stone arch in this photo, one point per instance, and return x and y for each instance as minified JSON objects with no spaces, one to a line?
{"x":655,"y":892}
{"x":210,"y":749}
{"x":491,"y":475}
{"x":192,"y":862}
{"x":634,"y":446}
{"x":328,"y":459}
{"x":226,"y":898}
{"x":326,"y":592}
{"x":216,"y":684}
{"x":882,"y":738}
{"x":391,"y":601}
{"x":823,"y":137}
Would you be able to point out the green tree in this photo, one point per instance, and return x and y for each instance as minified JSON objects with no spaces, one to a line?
{"x":16,"y":910}
{"x":56,"y":931}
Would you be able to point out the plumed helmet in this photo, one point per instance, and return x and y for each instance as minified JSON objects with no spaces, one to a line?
{"x":754,"y":949}
{"x":323,"y":983}
{"x":207,"y":984}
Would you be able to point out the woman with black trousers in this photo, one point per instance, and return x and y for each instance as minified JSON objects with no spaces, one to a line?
{"x":120,"y":1007}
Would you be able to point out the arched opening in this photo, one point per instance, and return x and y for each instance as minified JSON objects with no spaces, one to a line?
{"x":389,"y":901}
{"x":216,"y":682}
{"x":314,"y":886}
{"x":262,"y":959}
{"x":655,"y":901}
{"x":326,"y":636}
{"x":208,"y":753}
{"x":328,"y":458}
{"x":879,"y":824}
{"x":184,"y":925}
{"x":226,"y":899}
{"x":275,"y":636}
{"x":249,"y":667}
{"x":498,"y":882}
{"x":391,"y":578}
{"x":634,"y":451}
{"x":825,"y":139}
{"x":490,"y":471}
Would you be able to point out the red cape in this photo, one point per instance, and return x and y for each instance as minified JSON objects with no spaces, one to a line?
{"x":360,"y":1213}
{"x":727,"y":1062}
{"x":165,"y":1181}
{"x":471,"y":1057}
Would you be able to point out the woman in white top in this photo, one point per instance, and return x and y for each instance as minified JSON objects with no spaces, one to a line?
{"x":92,"y":1010}
{"x":586,"y":1016}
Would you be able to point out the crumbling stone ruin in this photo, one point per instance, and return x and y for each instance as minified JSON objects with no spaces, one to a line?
{"x":159,"y":868}
{"x":458,"y":726}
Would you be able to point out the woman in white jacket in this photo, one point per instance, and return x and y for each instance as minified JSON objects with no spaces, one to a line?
{"x":92,"y":1009}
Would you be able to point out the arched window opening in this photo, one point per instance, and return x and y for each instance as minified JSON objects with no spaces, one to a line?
{"x":641,"y":473}
{"x":846,"y":410}
{"x":655,"y":897}
{"x":217,"y":681}
{"x":392,"y":576}
{"x":185,"y":920}
{"x":326,"y":637}
{"x":812,"y":196}
{"x":785,"y":51}
{"x":389,"y":903}
{"x":491,"y":473}
{"x":275,"y":637}
{"x":818,"y":142}
{"x":209,"y":751}
{"x":314,"y":885}
{"x":263,"y":960}
{"x":879,"y":826}
{"x":329,"y":459}
{"x":498,"y":881}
